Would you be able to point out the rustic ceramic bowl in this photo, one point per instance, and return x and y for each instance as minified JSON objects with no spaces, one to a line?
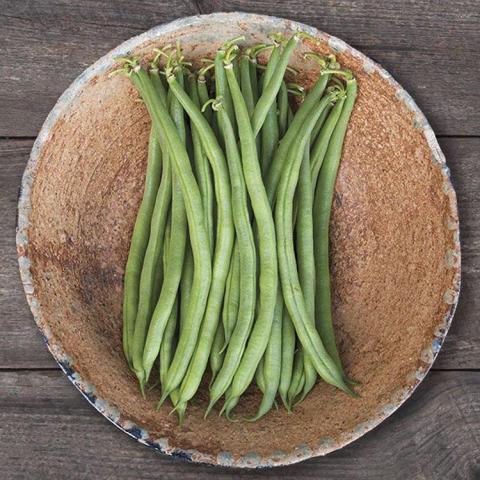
{"x":396,"y":254}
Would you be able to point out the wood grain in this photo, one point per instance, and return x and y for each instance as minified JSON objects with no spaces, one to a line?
{"x":464,"y":335}
{"x":429,"y":46}
{"x":49,"y":431}
{"x":21,"y":345}
{"x":47,"y":44}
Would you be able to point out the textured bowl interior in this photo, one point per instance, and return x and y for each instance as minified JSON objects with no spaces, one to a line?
{"x":395,"y":258}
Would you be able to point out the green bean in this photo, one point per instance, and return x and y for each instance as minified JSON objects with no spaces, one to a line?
{"x":176,"y":253}
{"x":271,"y":88}
{"x":271,"y":363}
{"x":281,"y":155}
{"x":270,"y":137}
{"x":270,"y":131}
{"x":296,"y":384}
{"x":245,"y":244}
{"x":158,"y":83}
{"x":291,"y":287}
{"x":246,"y":83}
{"x":305,"y":256}
{"x":268,"y":273}
{"x":198,"y":236}
{"x":319,"y":125}
{"x":288,"y":351}
{"x":290,"y":115}
{"x":192,"y":343}
{"x":186,"y":285}
{"x":139,"y":243}
{"x":168,"y":341}
{"x":323,"y":205}
{"x":152,"y":272}
{"x":259,"y":375}
{"x":236,"y":69}
{"x":202,"y":167}
{"x":204,"y":97}
{"x":252,"y":53}
{"x":217,"y":354}
{"x":222,"y":90}
{"x":321,"y":144}
{"x":271,"y":66}
{"x":149,"y":281}
{"x":254,"y":80}
{"x":232,"y":294}
{"x":282,"y":109}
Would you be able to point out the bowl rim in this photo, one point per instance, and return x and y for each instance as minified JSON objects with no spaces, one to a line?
{"x":252,"y":459}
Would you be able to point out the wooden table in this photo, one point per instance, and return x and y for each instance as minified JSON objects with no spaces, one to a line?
{"x":432,"y":47}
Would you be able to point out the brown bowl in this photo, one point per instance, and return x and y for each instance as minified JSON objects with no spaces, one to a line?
{"x":395,"y":259}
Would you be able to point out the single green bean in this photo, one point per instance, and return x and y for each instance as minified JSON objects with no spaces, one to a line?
{"x":321,"y":144}
{"x":202,"y":167}
{"x":290,"y":115}
{"x":186,"y":285}
{"x":254,"y":80}
{"x":259,"y":375}
{"x":236,"y":69}
{"x":222,"y":90}
{"x":158,"y":84}
{"x":268,"y":272}
{"x":246,"y":84}
{"x":270,"y":131}
{"x":152,"y":271}
{"x":216,"y":356}
{"x":319,"y":125}
{"x":305,"y":256}
{"x":193,"y":344}
{"x":139,"y":243}
{"x":323,"y":205}
{"x":232,"y":295}
{"x":282,"y":101}
{"x":296,"y":384}
{"x":271,"y":363}
{"x":204,"y":97}
{"x":168,"y":342}
{"x":288,"y":352}
{"x":170,"y":337}
{"x":271,"y":66}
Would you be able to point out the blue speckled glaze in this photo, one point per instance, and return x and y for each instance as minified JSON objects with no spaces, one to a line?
{"x":262,"y":24}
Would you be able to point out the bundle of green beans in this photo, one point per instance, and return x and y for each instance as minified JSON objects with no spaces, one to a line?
{"x":227,"y":276}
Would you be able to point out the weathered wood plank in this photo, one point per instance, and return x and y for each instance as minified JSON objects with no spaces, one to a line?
{"x":464,"y":335}
{"x":47,"y":44}
{"x":430,"y":47}
{"x":21,"y":345}
{"x":49,"y":431}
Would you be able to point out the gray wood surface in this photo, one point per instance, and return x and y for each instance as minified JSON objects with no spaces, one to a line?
{"x":47,"y":430}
